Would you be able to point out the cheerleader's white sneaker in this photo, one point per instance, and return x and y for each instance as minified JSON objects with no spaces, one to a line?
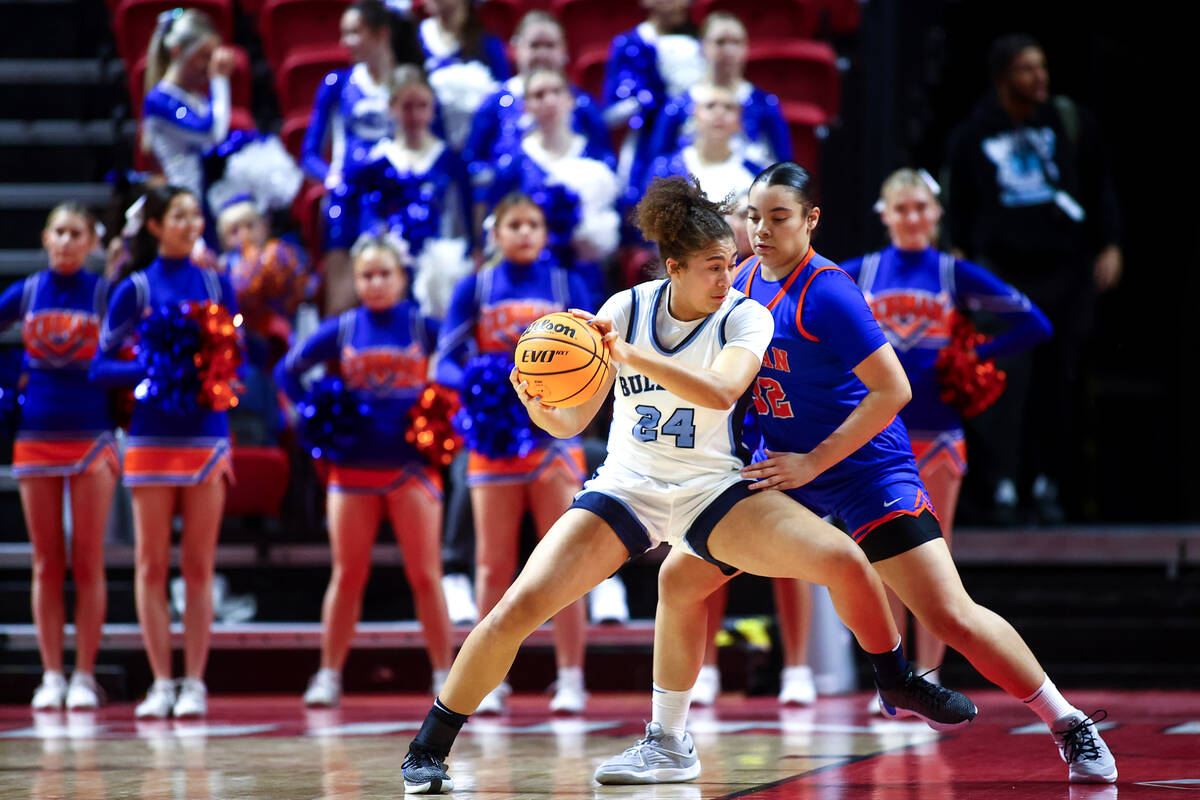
{"x":159,"y":700}
{"x":192,"y":700}
{"x":83,"y":694}
{"x":51,"y":693}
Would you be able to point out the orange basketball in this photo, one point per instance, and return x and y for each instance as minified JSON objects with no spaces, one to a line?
{"x":563,"y":359}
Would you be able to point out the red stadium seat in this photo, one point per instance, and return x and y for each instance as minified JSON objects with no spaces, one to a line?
{"x":297,"y":79}
{"x":844,"y":15}
{"x":766,"y":20}
{"x":306,"y":210}
{"x":796,"y":72}
{"x":587,"y":70}
{"x":261,"y":479}
{"x":592,"y":24}
{"x":239,"y":82}
{"x":134,"y":21}
{"x":288,"y":24}
{"x":292,"y":132}
{"x":501,"y":16}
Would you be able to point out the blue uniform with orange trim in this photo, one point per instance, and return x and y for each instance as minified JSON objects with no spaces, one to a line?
{"x":65,"y":428}
{"x":164,"y":448}
{"x":384,"y":358}
{"x":488,"y":313}
{"x":807,"y":388}
{"x":917,"y":296}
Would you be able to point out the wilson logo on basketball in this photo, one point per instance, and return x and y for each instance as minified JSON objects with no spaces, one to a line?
{"x":540,"y":356}
{"x":551,"y":326}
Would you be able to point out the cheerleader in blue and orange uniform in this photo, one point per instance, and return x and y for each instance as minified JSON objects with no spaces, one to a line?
{"x":383,"y":347}
{"x":64,"y":437}
{"x":350,"y":115}
{"x":918,"y":294}
{"x":174,"y":458}
{"x":488,"y":313}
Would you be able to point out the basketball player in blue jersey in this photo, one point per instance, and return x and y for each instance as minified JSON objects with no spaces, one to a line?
{"x":64,"y":437}
{"x":827,"y":397}
{"x":686,"y":348}
{"x":383,"y":348}
{"x":917,"y":294}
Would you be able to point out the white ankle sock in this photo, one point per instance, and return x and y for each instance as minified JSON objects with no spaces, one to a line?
{"x":330,"y":672}
{"x":1048,"y":703}
{"x":709,"y":672}
{"x":570,"y":677}
{"x":670,"y":709}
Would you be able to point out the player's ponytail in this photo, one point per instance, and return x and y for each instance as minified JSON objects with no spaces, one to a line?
{"x":676,"y":215}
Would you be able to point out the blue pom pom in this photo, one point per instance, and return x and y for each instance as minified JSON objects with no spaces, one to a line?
{"x":168,"y":343}
{"x":332,"y":418}
{"x":492,"y":420}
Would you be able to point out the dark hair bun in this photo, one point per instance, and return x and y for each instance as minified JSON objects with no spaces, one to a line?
{"x":676,"y":215}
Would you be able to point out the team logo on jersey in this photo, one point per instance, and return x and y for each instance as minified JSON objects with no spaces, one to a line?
{"x":636,"y":384}
{"x":501,"y":325}
{"x":384,"y":370}
{"x":60,"y":337}
{"x":913,"y":318}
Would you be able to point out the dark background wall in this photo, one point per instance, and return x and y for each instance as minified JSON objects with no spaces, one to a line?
{"x":917,"y":68}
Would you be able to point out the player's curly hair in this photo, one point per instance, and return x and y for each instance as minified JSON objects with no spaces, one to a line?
{"x":677,"y":215}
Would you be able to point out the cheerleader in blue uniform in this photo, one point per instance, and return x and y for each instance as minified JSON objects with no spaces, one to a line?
{"x":175,"y":458}
{"x":827,"y":399}
{"x":917,"y":294}
{"x":64,"y":437}
{"x":713,"y":157}
{"x":464,"y":62}
{"x":487,"y":315}
{"x":187,"y":107}
{"x":383,"y":349}
{"x":568,"y":176}
{"x":416,"y":187}
{"x":764,"y":138}
{"x":350,"y":116}
{"x":657,"y":60}
{"x":502,"y":121}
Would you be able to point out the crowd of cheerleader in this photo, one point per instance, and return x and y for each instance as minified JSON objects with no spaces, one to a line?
{"x":463,"y":202}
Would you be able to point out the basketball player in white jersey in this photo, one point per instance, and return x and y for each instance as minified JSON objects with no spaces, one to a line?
{"x":687,"y":348}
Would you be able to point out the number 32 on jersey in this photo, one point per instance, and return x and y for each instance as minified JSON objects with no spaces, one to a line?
{"x":770,"y":399}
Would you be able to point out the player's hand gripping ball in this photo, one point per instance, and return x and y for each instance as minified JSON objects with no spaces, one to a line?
{"x":563,"y":358}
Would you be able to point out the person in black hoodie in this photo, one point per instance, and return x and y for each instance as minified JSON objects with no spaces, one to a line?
{"x":1031,"y":197}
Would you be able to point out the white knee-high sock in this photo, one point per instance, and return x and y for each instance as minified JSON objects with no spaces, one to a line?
{"x":1048,"y":703}
{"x":670,"y":709}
